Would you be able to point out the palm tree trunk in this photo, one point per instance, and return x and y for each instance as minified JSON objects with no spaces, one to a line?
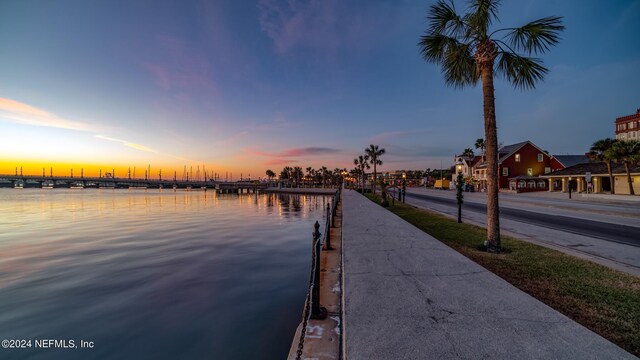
{"x":374,"y":177}
{"x":491,"y":134}
{"x":613,"y":185}
{"x":629,"y":180}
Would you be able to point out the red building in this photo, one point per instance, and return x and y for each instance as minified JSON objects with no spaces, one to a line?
{"x":628,"y":127}
{"x":519,"y":166}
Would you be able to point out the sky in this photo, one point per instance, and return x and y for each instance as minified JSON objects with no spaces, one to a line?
{"x":239,"y":87}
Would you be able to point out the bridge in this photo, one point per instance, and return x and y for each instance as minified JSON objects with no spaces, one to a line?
{"x":49,"y":182}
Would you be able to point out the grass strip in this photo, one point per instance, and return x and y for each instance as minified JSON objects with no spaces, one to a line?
{"x":604,"y":300}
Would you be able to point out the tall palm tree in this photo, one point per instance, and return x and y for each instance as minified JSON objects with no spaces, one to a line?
{"x":469,"y":50}
{"x":480,"y":145}
{"x":374,"y":153}
{"x":600,"y":152}
{"x":362,"y":163}
{"x":626,"y":152}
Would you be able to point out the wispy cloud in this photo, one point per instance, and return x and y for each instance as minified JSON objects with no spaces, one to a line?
{"x":127,"y":143}
{"x":308,"y":151}
{"x":295,"y":152}
{"x":21,"y":113}
{"x":275,"y":162}
{"x":323,"y":25}
{"x":385,"y":137}
{"x":184,"y":68}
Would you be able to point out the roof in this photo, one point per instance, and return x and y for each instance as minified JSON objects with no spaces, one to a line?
{"x":570,"y":160}
{"x":506,"y":151}
{"x":629,"y":117}
{"x":476,"y":160}
{"x":595,"y":168}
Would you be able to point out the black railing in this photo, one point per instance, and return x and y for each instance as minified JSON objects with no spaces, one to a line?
{"x":313,"y":309}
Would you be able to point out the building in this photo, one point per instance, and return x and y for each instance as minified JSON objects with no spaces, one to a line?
{"x":519,"y":168}
{"x":579,"y":175}
{"x":628,"y":127}
{"x":559,"y":162}
{"x":468,"y":164}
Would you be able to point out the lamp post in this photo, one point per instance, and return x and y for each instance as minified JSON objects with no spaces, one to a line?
{"x":459,"y":195}
{"x":404,"y":187}
{"x":343,"y":174}
{"x":569,"y":185}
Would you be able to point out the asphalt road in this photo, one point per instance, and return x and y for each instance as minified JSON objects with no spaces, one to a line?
{"x":597,"y":229}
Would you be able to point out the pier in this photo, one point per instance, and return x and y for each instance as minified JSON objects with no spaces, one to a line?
{"x":35,"y":181}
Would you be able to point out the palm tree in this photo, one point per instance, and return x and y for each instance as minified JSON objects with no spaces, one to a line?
{"x":297,"y":175}
{"x":362,"y":163}
{"x":270,"y":174}
{"x":600,"y":152}
{"x":627,"y":152}
{"x":480,"y":145}
{"x":469,"y":51}
{"x":285,"y":174}
{"x":468,"y":153}
{"x":323,"y":172}
{"x":374,"y":153}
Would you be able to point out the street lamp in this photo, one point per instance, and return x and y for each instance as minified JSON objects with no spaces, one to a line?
{"x":343,"y":173}
{"x":404,"y":187}
{"x":459,"y":195}
{"x":569,"y":184}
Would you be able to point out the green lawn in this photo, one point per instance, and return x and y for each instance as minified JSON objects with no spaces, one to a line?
{"x":604,"y":300}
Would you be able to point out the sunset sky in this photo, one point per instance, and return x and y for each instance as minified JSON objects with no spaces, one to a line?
{"x":245,"y":86}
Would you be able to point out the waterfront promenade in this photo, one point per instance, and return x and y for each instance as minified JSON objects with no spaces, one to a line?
{"x":409,"y":296}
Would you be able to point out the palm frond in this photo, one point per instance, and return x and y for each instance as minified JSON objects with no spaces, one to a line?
{"x":522,"y":72}
{"x":434,"y":48}
{"x":444,"y":20}
{"x":459,"y":66}
{"x":483,"y":14}
{"x":537,"y":36}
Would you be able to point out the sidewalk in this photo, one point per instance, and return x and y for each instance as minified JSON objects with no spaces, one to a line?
{"x":408,"y":296}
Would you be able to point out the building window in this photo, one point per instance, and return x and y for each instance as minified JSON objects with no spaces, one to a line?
{"x":547,"y":170}
{"x":517,"y":157}
{"x":530,"y":171}
{"x":540,"y":158}
{"x":505,"y":171}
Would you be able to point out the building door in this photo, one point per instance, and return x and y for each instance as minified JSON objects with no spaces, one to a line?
{"x":606,"y":183}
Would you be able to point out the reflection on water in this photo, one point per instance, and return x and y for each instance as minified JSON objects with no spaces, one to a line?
{"x":154,"y":274}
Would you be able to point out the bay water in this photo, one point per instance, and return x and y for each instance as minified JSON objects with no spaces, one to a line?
{"x":153,"y":274}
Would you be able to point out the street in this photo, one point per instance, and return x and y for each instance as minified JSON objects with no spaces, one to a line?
{"x":607,"y":232}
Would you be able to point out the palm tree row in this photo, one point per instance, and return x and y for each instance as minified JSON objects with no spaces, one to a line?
{"x":296,"y":176}
{"x":612,"y":151}
{"x":371,"y":156}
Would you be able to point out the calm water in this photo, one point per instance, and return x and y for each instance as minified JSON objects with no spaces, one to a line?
{"x":154,"y":275}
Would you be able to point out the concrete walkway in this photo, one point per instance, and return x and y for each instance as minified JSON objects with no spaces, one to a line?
{"x":408,"y":296}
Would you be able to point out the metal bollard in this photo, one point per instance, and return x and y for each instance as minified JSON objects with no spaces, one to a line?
{"x":328,"y":247}
{"x":317,"y":311}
